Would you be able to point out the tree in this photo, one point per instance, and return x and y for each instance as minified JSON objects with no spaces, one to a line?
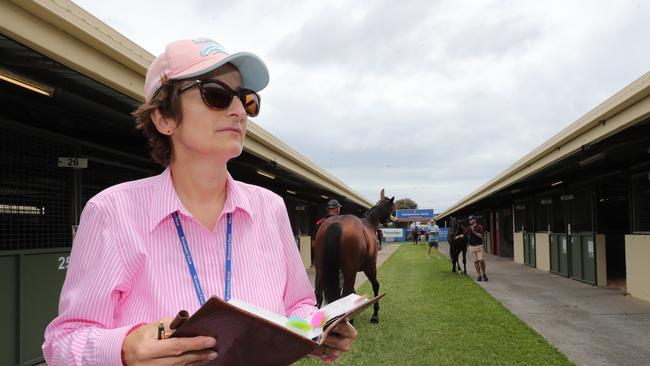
{"x":404,"y":204}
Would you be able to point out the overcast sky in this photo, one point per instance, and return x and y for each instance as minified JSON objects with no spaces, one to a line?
{"x":427,"y":99}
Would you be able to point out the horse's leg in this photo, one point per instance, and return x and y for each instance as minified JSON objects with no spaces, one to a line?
{"x":453,"y":261}
{"x":453,"y":253}
{"x":349,"y":276}
{"x":371,"y":273}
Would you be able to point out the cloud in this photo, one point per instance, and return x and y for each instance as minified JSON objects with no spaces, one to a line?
{"x":429,"y":100}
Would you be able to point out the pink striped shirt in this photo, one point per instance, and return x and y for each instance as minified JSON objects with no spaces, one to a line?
{"x":127,"y":265}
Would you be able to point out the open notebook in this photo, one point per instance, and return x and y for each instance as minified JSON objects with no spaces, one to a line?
{"x":249,"y":335}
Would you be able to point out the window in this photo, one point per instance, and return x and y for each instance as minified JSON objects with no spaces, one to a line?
{"x":558,"y":216}
{"x":524,"y":216}
{"x":580,"y":210}
{"x":21,"y":210}
{"x":543,"y":210}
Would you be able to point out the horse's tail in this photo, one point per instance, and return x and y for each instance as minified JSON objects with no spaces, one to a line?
{"x":331,"y":272}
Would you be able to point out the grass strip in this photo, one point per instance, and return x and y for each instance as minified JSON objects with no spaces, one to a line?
{"x":431,"y":316}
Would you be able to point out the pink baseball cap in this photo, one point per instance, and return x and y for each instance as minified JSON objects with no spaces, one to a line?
{"x":195,"y":57}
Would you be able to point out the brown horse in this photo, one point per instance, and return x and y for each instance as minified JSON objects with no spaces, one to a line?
{"x":348,"y":243}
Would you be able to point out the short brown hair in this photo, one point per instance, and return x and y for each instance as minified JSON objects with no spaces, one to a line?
{"x":168,"y":101}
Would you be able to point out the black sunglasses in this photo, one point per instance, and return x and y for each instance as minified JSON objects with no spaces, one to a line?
{"x":218,"y":95}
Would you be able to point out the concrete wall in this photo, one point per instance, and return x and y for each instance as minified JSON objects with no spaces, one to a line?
{"x":305,"y":250}
{"x":637,"y":258}
{"x":486,"y":241}
{"x":543,"y":251}
{"x":518,"y":246}
{"x":601,"y":260}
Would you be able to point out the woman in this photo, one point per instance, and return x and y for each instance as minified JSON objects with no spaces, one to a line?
{"x":148,"y":248}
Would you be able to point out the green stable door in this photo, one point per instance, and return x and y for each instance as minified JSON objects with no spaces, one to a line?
{"x":530,"y":255}
{"x":559,"y":254}
{"x":583,"y":258}
{"x":31,"y":283}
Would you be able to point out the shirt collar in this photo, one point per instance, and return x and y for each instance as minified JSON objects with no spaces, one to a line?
{"x":165,"y":199}
{"x":236,"y":197}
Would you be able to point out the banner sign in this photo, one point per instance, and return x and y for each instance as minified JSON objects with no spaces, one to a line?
{"x":414,"y":215}
{"x":443,"y":234}
{"x":393,"y":234}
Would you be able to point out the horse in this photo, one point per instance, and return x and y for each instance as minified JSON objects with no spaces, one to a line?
{"x":349,"y":244}
{"x":457,"y":246}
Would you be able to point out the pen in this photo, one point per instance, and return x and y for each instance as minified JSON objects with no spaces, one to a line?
{"x":161,"y":331}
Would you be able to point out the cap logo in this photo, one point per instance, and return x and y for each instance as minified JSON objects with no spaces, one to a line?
{"x":209,"y":46}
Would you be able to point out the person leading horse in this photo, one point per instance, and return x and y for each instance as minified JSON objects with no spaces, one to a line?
{"x":348,"y":243}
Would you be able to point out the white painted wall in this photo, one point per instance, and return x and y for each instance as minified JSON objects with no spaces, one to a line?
{"x":543,"y":251}
{"x":518,"y":243}
{"x":637,"y":260}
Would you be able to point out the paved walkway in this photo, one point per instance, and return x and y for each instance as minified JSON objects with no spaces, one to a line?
{"x":590,"y":325}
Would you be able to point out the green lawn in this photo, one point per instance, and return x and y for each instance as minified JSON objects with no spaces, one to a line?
{"x":431,"y":316}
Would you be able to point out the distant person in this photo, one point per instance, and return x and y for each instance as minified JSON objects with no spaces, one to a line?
{"x":474,"y":235}
{"x":433,"y":232}
{"x":415,"y":235}
{"x":333,"y":209}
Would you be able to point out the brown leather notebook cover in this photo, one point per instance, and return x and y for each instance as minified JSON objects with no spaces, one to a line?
{"x":247,"y":339}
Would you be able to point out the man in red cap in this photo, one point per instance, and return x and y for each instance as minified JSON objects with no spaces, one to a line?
{"x":333,"y":209}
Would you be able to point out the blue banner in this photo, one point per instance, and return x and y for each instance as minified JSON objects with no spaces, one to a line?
{"x":443,"y":234}
{"x":414,"y":215}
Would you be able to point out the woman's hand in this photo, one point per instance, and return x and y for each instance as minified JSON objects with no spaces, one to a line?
{"x":339,"y":340}
{"x":142,"y":347}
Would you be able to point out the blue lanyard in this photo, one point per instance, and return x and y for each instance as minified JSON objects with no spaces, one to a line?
{"x":228,"y":280}
{"x":190,"y":262}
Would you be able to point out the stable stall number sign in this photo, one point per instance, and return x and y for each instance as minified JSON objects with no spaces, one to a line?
{"x":76,"y":163}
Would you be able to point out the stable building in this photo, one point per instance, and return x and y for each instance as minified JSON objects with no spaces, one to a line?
{"x":68,"y":84}
{"x":579,"y":204}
